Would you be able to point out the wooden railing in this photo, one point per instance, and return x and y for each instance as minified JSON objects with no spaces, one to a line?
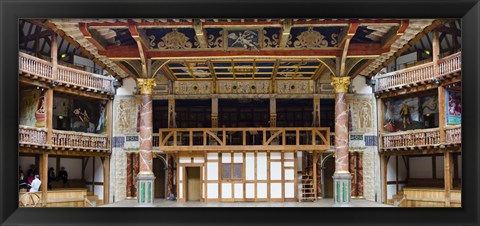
{"x":453,"y":134}
{"x":419,"y":74}
{"x":32,"y":135}
{"x":65,"y":75}
{"x":450,"y":64}
{"x":76,"y":140}
{"x":421,"y":138}
{"x":155,"y":140}
{"x":414,"y":138}
{"x":231,"y":139}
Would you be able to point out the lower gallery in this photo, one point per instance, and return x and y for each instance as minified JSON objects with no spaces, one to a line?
{"x":240,"y":112}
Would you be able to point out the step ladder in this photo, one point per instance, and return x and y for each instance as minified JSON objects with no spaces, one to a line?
{"x":307,"y":191}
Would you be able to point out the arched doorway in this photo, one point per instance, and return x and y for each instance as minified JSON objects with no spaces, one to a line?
{"x":328,"y":169}
{"x":159,"y":170}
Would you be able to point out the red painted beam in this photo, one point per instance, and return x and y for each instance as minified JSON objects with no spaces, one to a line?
{"x":355,"y":50}
{"x":84,"y":29}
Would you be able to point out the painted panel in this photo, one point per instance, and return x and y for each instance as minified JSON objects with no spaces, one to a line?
{"x":454,"y":107}
{"x":212,"y":189}
{"x":226,"y":158}
{"x":238,"y":191}
{"x":212,"y":156}
{"x":185,"y":160}
{"x":288,"y":164}
{"x":250,"y":190}
{"x":275,"y":170}
{"x":261,"y":166}
{"x":288,"y":155}
{"x":262,"y":190}
{"x":198,"y":160}
{"x":238,"y":157}
{"x":289,"y":190}
{"x":226,"y":190}
{"x":212,"y":168}
{"x":289,"y":174}
{"x":275,"y":155}
{"x":275,"y":190}
{"x":250,"y":166}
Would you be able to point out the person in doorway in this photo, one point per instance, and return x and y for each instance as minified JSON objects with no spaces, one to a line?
{"x":63,"y":175}
{"x":35,"y":185}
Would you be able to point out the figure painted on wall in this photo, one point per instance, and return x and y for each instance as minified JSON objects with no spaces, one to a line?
{"x":101,"y":120}
{"x":405,"y":114}
{"x":82,"y":121}
{"x":454,"y":111}
{"x":40,"y":113}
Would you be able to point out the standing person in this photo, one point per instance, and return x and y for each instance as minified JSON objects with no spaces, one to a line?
{"x":405,"y":113}
{"x":22,"y":183}
{"x":51,"y":177}
{"x":63,"y":175}
{"x":30,"y":178}
{"x":35,"y":185}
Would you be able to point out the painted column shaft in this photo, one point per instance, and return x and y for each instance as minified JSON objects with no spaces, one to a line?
{"x":146,"y":145}
{"x":341,"y":133}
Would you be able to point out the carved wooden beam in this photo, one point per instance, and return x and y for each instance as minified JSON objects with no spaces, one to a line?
{"x":157,"y":65}
{"x":351,"y":32}
{"x":200,"y":34}
{"x":92,"y":38}
{"x":360,"y":69}
{"x":142,"y":49}
{"x":393,"y":34}
{"x":287,"y":25}
{"x":129,"y":73}
{"x":329,"y":64}
{"x":320,"y":71}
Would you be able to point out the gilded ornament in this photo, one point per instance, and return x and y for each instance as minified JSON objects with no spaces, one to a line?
{"x":175,"y":40}
{"x":310,"y":39}
{"x":146,"y":85}
{"x":340,"y":84}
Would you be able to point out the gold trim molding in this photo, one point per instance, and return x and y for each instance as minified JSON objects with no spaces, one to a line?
{"x":146,"y":85}
{"x":340,"y":84}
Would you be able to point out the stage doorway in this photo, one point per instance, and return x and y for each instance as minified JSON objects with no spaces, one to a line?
{"x":193,"y":184}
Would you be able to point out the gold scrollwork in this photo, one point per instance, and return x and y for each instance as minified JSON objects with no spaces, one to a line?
{"x":310,"y":39}
{"x":175,"y":40}
{"x":267,"y":42}
{"x":215,"y":42}
{"x":341,"y":84}
{"x":146,"y":85}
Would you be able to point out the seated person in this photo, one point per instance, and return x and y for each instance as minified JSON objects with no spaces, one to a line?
{"x":35,"y":185}
{"x":22,"y":183}
{"x":63,"y":175}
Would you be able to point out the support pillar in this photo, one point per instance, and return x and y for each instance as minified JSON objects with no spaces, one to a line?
{"x":341,"y":177}
{"x":44,"y":177}
{"x":448,"y":162}
{"x":145,"y":178}
{"x":316,"y":112}
{"x":169,"y":175}
{"x":106,"y":179}
{"x":273,"y":111}
{"x":172,"y":123}
{"x":214,"y":111}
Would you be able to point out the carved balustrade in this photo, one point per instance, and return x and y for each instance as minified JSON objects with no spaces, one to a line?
{"x":28,"y":135}
{"x":414,"y":138}
{"x":423,"y":73}
{"x":231,"y":139}
{"x":77,"y":140}
{"x":453,"y":134}
{"x":67,"y":76}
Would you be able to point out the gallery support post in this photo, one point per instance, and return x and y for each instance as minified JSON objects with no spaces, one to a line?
{"x":145,"y":177}
{"x":341,"y":177}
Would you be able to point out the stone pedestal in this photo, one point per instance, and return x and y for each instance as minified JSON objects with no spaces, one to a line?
{"x":145,"y":189}
{"x":341,"y":193}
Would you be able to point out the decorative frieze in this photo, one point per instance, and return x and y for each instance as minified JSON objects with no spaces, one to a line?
{"x":295,"y":86}
{"x":192,"y":87}
{"x":244,"y":87}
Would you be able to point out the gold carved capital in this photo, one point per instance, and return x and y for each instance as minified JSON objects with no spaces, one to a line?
{"x":340,"y":84}
{"x":146,"y":85}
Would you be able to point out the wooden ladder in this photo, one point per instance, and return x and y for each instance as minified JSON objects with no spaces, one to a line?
{"x":307,"y":190}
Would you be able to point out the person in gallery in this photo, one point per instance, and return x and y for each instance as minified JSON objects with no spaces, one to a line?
{"x":22,"y":183}
{"x":35,"y":185}
{"x":32,"y":171}
{"x":30,"y":178}
{"x":51,"y":177}
{"x":405,"y":114}
{"x":63,"y":175}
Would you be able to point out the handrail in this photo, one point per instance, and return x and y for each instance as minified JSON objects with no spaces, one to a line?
{"x":80,"y":140}
{"x":32,"y":135}
{"x":30,"y":199}
{"x":65,"y":75}
{"x":422,"y":137}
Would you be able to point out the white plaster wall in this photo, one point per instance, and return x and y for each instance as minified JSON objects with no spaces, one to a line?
{"x":262,"y":190}
{"x":289,"y":190}
{"x":275,"y":170}
{"x":226,"y":190}
{"x":359,"y":85}
{"x":73,"y":167}
{"x":212,"y":168}
{"x":25,"y":162}
{"x":261,"y":166}
{"x":250,"y":190}
{"x":250,"y":166}
{"x":440,"y":167}
{"x":212,"y":189}
{"x":98,"y":170}
{"x":421,"y":167}
{"x":127,"y":88}
{"x":276,"y":190}
{"x":238,"y":191}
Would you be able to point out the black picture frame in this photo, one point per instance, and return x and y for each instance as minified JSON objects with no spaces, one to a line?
{"x":11,"y":11}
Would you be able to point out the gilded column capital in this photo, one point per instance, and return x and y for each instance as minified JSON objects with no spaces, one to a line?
{"x":146,"y":85}
{"x":340,"y":84}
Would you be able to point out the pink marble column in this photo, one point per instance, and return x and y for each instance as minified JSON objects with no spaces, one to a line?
{"x":146,"y":145}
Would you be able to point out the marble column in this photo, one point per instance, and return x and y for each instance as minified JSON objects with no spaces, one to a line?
{"x":135,"y":172}
{"x":145,"y":178}
{"x":360,"y":175}
{"x":169,"y":175}
{"x":341,"y":177}
{"x":129,"y":175}
{"x":351,"y":163}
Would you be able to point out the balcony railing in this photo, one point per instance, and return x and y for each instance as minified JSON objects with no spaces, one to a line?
{"x":69,"y":77}
{"x":243,"y":139}
{"x":421,"y":138}
{"x":65,"y":140}
{"x":419,"y":74}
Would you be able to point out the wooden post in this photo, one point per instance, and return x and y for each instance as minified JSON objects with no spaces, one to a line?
{"x":315,"y":158}
{"x":316,"y":111}
{"x":109,"y":122}
{"x":396,"y":174}
{"x":44,"y":177}
{"x":214,"y":116}
{"x":54,"y":56}
{"x":49,"y":109}
{"x":171,"y":112}
{"x":442,"y":118}
{"x":106,"y":179}
{"x":447,"y":176}
{"x":273,"y":111}
{"x":384,"y":165}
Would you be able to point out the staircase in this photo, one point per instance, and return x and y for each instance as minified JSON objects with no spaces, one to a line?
{"x":307,"y":190}
{"x":396,"y":200}
{"x":94,"y":198}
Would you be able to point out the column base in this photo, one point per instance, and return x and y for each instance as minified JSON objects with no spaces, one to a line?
{"x":145,"y":189}
{"x":342,"y":189}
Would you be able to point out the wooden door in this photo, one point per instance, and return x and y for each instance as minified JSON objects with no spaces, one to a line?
{"x":159,"y":172}
{"x":193,"y":183}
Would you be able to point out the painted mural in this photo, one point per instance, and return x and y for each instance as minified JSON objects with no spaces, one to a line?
{"x":86,"y":116}
{"x":410,"y":113}
{"x":454,"y":107}
{"x":30,"y":100}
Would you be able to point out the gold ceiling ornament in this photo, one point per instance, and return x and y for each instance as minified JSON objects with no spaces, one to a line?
{"x":310,"y":39}
{"x":146,"y":85}
{"x":175,"y":40}
{"x":340,"y":84}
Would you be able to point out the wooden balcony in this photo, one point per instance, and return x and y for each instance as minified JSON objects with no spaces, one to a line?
{"x":33,"y":137}
{"x":421,"y":139}
{"x":42,"y":70}
{"x":420,"y":74}
{"x":243,"y":139}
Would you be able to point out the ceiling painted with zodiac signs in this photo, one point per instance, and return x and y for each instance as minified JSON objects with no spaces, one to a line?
{"x":203,"y":49}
